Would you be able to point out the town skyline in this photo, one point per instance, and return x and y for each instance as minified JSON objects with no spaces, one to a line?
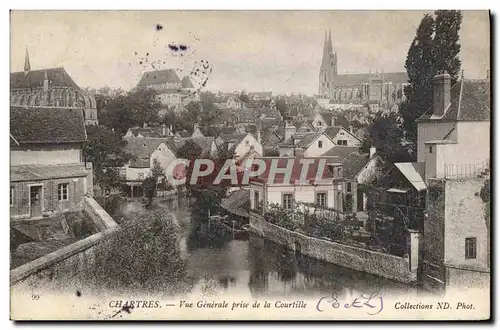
{"x":287,"y":61}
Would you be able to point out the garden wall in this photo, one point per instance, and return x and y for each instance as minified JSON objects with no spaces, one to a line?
{"x":70,"y":260}
{"x":381,"y":264}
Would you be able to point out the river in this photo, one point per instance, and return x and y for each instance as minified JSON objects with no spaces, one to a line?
{"x":256,"y":268}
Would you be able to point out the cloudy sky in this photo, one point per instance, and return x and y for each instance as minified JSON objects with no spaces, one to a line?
{"x":278,"y":51}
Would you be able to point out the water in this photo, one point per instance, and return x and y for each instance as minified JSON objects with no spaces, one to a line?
{"x":257,"y":268}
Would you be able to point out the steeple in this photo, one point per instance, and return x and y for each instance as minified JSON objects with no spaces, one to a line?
{"x":27,"y":66}
{"x":330,"y":49}
{"x":326,"y":55}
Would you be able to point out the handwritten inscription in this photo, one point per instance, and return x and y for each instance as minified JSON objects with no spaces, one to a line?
{"x":372,"y":302}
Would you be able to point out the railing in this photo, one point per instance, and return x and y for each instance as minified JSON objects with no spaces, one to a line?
{"x":466,"y":171}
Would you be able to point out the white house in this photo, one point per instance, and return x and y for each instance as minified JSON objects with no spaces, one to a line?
{"x":144,"y":152}
{"x":342,"y":137}
{"x":244,"y":144}
{"x":324,"y":190}
{"x":307,"y":145}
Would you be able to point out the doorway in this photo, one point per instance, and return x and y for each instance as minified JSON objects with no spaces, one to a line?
{"x":36,"y":200}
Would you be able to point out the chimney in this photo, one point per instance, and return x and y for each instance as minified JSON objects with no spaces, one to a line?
{"x":333,"y":121}
{"x":373,"y":150}
{"x":164,"y":129}
{"x":441,"y":93}
{"x":351,"y":129}
{"x":289,"y":131}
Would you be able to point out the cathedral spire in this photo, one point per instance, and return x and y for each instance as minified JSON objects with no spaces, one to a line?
{"x":27,"y":66}
{"x":330,"y":49}
{"x":326,"y":55}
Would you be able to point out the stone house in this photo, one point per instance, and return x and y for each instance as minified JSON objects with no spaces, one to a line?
{"x":48,"y":172}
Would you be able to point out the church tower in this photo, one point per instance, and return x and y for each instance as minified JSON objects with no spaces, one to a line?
{"x":328,"y":67}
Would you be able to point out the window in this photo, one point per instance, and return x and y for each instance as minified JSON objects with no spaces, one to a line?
{"x":348,"y":187}
{"x":430,"y":149}
{"x":62,"y":191}
{"x":321,"y":199}
{"x":339,"y":172}
{"x":342,"y":142}
{"x":11,"y":196}
{"x":470,"y":248}
{"x":141,"y":175}
{"x":287,"y":201}
{"x":256,"y":200}
{"x":319,"y":123}
{"x":341,"y":133}
{"x":320,"y":144}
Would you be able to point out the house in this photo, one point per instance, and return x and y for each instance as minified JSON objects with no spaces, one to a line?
{"x":324,"y":189}
{"x":319,"y":122}
{"x":243,"y":144}
{"x":144,"y":152}
{"x":454,"y":148}
{"x":172,"y":90}
{"x":308,"y":144}
{"x":146,"y":131}
{"x":47,"y":170}
{"x":342,"y":137}
{"x":207,"y":145}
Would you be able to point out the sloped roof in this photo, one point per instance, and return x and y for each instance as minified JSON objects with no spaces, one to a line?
{"x":296,"y":169}
{"x":414,"y":173}
{"x":43,"y":172}
{"x":205,"y":143}
{"x":308,"y":139}
{"x":332,"y":131}
{"x":47,"y":125}
{"x":341,"y":151}
{"x":236,"y":203}
{"x":360,"y":78}
{"x":159,"y":77}
{"x":327,"y":116}
{"x":186,"y":82}
{"x":470,"y":101}
{"x":33,"y":79}
{"x":354,"y":163}
{"x":142,"y":148}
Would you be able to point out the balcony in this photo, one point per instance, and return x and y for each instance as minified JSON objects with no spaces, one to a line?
{"x":467,"y":171}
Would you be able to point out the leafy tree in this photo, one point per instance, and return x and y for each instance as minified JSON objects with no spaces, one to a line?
{"x":434,"y":49}
{"x":243,"y":96}
{"x":104,"y":148}
{"x":282,"y":107}
{"x":446,"y":44}
{"x":143,"y":256}
{"x":149,"y":187}
{"x":386,"y":135}
{"x":485,"y":195}
{"x":157,"y":171}
{"x":135,"y":108}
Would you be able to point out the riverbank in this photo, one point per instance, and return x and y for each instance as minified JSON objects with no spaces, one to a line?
{"x":376,"y":263}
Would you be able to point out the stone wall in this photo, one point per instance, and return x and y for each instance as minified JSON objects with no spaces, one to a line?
{"x":359,"y":259}
{"x":70,"y":260}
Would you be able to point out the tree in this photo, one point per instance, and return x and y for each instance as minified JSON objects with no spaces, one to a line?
{"x":105,"y":149}
{"x":386,"y":135}
{"x":434,"y":49}
{"x":485,"y":194}
{"x":282,"y":107}
{"x":420,"y":68}
{"x":135,"y":108}
{"x":446,"y":44}
{"x":149,"y":188}
{"x":157,"y":172}
{"x":144,"y":255}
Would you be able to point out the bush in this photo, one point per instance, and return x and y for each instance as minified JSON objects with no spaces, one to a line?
{"x":144,"y":255}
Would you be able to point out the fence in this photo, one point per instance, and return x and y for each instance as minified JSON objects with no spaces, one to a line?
{"x":466,"y":171}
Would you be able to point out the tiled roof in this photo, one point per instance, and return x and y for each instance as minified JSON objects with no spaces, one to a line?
{"x":295,"y":174}
{"x":360,"y":78}
{"x":470,"y":101}
{"x":45,"y":172}
{"x":341,"y":151}
{"x":353,"y":164}
{"x":205,"y":143}
{"x":142,"y":148}
{"x":307,"y":139}
{"x":327,"y":116}
{"x":332,"y":131}
{"x":47,"y":125}
{"x":58,"y":77}
{"x":159,"y":77}
{"x":187,"y":83}
{"x":236,"y":203}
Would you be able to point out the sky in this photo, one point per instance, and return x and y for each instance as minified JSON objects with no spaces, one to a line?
{"x":255,"y":51}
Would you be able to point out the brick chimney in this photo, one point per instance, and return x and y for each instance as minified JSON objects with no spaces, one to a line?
{"x":441,"y":97}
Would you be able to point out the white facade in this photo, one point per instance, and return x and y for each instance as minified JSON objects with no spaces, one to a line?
{"x":46,"y":155}
{"x":344,"y":135}
{"x":319,"y":146}
{"x":246,"y":145}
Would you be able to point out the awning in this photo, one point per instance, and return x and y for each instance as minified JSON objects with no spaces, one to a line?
{"x":46,"y":172}
{"x":398,"y":190}
{"x":414,"y":173}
